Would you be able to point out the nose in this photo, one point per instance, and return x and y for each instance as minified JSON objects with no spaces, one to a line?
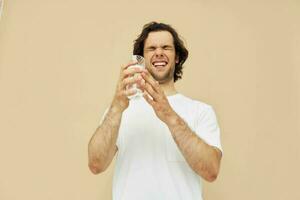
{"x":158,"y":52}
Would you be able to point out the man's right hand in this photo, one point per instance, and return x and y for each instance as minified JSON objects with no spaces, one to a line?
{"x":120,"y":101}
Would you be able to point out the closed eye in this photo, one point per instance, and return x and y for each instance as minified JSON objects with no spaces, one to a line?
{"x":167,"y":47}
{"x":150,"y":48}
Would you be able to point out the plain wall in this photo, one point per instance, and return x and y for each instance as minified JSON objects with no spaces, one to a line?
{"x":60,"y":60}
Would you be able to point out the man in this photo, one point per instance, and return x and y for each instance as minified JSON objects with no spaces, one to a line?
{"x":166,"y":142}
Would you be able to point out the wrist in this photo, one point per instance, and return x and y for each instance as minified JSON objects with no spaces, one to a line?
{"x":176,"y":124}
{"x":173,"y":119}
{"x":116,"y":109}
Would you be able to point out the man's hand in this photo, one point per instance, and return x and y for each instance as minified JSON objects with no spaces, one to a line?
{"x":120,"y":101}
{"x":201,"y":157}
{"x":157,"y":99}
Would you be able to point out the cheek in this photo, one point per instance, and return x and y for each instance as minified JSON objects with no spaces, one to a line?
{"x":171,"y":54}
{"x":172,"y":58}
{"x":147,"y":62}
{"x":147,"y":57}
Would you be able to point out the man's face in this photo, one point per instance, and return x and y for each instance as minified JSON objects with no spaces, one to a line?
{"x":160,"y":56}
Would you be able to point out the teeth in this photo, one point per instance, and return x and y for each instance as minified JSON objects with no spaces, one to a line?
{"x":159,"y":64}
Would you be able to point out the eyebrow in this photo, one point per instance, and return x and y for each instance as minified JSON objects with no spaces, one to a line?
{"x":150,"y":47}
{"x":167,"y":45}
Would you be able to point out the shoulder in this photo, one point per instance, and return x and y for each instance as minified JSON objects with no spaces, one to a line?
{"x":192,"y":108}
{"x":196,"y":104}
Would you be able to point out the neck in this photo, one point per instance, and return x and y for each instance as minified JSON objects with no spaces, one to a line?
{"x":168,"y":88}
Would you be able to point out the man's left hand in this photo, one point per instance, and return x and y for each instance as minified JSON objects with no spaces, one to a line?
{"x":157,"y":99}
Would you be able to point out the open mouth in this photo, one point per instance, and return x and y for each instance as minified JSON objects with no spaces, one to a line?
{"x":159,"y":64}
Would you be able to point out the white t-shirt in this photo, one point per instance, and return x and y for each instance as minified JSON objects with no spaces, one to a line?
{"x":149,"y":165}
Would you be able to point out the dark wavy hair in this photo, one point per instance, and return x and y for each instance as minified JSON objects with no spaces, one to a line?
{"x":180,"y":49}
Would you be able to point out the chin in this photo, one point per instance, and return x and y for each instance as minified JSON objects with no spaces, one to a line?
{"x":163,"y":79}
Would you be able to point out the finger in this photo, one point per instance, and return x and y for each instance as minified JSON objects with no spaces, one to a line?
{"x":131,"y":71}
{"x":148,"y":78}
{"x":141,"y":83}
{"x":151,"y":91}
{"x":128,"y":65}
{"x":129,"y":92}
{"x":124,"y":67}
{"x":148,"y":98}
{"x":130,"y":80}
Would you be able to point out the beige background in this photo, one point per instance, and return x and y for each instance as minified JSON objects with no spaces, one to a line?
{"x":59,"y":62}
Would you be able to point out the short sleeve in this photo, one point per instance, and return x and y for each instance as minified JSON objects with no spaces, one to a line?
{"x":206,"y":126}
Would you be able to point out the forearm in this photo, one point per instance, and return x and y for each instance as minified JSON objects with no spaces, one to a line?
{"x":102,"y":145}
{"x":202,"y":158}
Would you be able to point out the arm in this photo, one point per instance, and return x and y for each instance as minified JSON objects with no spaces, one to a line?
{"x":102,"y":146}
{"x":202,"y":158}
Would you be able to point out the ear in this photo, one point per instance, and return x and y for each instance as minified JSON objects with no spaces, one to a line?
{"x":177,"y":59}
